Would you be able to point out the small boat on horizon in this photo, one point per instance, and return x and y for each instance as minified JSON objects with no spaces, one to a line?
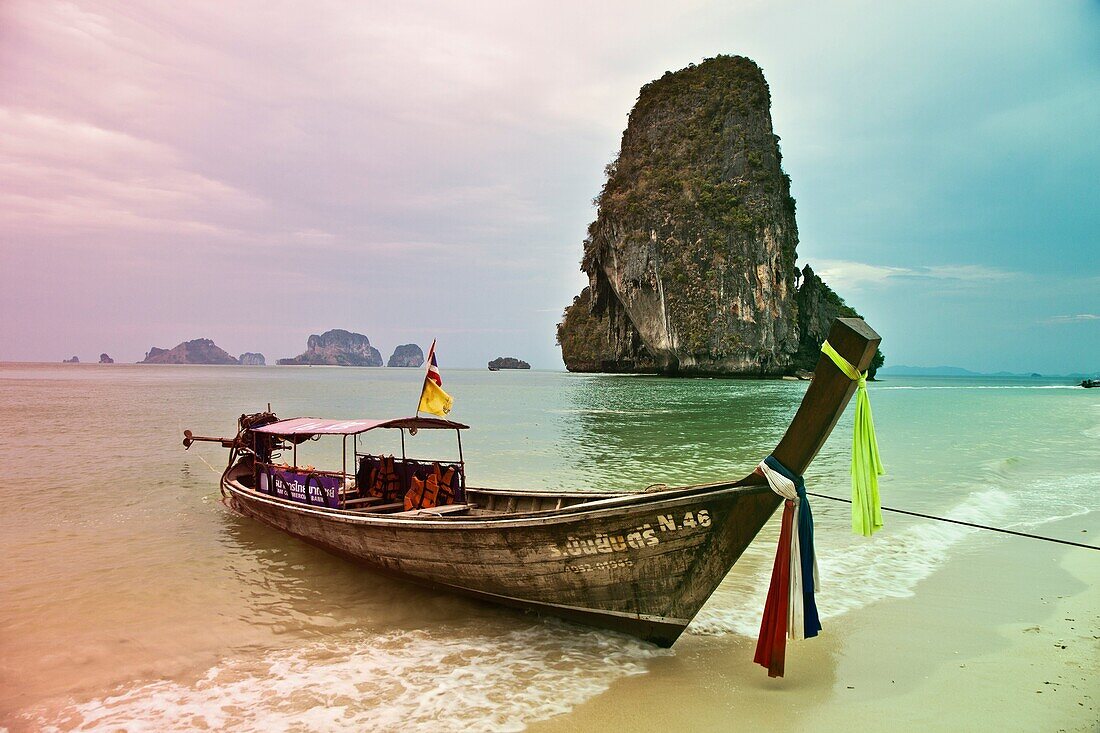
{"x":640,"y":562}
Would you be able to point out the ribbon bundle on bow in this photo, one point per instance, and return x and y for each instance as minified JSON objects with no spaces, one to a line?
{"x":866,"y":464}
{"x":791,"y":610}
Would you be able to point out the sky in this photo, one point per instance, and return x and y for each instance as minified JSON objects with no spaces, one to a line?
{"x":253,"y":172}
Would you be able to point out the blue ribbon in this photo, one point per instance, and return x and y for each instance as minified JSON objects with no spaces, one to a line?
{"x":806,"y":547}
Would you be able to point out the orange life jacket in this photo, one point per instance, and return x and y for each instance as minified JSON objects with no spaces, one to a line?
{"x":445,"y":480}
{"x":385,"y":483}
{"x":414,"y":497}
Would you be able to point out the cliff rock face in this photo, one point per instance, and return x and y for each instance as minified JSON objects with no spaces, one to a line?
{"x":691,"y":259}
{"x":406,"y":355}
{"x":250,"y":358}
{"x":508,"y":362}
{"x":818,"y":306}
{"x":105,"y":359}
{"x":197,"y":351}
{"x":338,"y":348}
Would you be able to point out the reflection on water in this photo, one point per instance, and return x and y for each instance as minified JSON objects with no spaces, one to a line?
{"x":291,"y":586}
{"x":627,"y":433}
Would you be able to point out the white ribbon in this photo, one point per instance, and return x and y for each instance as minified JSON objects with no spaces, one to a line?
{"x":780,"y":484}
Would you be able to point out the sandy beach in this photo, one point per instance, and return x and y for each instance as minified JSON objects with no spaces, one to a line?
{"x":1006,"y":636}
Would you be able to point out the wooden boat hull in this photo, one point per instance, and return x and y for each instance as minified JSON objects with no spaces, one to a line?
{"x":641,"y":564}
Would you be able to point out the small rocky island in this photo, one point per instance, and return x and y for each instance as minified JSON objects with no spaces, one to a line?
{"x":337,"y":348}
{"x":105,"y":359}
{"x":74,"y":360}
{"x":196,"y":351}
{"x":691,"y":258}
{"x":251,"y":358}
{"x":508,"y":362}
{"x":406,"y":355}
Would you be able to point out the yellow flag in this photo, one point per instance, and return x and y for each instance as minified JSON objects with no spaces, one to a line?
{"x":434,"y":400}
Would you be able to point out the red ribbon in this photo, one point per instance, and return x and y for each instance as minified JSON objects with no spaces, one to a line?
{"x":771,"y":646}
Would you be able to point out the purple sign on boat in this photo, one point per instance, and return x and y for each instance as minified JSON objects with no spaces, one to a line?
{"x":307,"y":488}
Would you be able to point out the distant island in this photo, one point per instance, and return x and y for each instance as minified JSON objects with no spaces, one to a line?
{"x":74,"y":360}
{"x":196,"y":351}
{"x":904,"y":370}
{"x":105,"y":359}
{"x":406,"y":355}
{"x":508,"y":362}
{"x":337,"y":348}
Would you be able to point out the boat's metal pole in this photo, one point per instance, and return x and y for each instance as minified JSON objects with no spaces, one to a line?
{"x":403,"y":445}
{"x":459,"y":434}
{"x":295,"y":455}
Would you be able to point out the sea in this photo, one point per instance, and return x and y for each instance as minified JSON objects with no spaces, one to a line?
{"x":132,"y":599}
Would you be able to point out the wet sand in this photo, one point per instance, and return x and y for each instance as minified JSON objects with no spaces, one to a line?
{"x":1006,"y":636}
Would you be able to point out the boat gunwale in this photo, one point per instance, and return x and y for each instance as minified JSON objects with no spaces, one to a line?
{"x":655,"y":500}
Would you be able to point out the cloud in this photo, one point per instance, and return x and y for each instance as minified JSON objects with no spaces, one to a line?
{"x":71,"y":176}
{"x":847,"y":274}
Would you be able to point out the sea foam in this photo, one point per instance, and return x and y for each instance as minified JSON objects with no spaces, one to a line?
{"x":854,"y":572}
{"x":400,"y":681}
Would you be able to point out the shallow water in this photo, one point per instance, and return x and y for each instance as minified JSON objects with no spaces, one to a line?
{"x":129,"y":596}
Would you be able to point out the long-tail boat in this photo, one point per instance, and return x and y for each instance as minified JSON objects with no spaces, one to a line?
{"x":642,"y":563}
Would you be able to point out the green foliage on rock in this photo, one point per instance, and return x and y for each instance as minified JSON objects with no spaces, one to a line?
{"x":691,"y":258}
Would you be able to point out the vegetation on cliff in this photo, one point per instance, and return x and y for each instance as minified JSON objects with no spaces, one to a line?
{"x":818,"y":307}
{"x":691,"y":258}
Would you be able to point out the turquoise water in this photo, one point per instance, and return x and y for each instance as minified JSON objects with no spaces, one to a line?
{"x":129,"y":593}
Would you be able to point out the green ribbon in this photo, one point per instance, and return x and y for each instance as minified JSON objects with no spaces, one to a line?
{"x":866,"y":465}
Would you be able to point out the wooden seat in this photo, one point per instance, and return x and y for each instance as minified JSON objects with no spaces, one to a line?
{"x":437,"y":511}
{"x":380,"y":508}
{"x":363,"y":500}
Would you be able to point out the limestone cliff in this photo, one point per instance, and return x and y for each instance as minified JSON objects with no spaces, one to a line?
{"x":251,"y":358}
{"x":105,"y":359}
{"x":196,"y":351}
{"x":691,"y":258}
{"x":338,"y":348}
{"x":406,"y":355}
{"x":818,"y":306}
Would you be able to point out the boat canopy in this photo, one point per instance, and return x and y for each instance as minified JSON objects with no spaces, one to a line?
{"x":321,"y":426}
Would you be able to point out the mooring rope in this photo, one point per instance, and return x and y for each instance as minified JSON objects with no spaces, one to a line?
{"x":965,"y":524}
{"x":216,"y":471}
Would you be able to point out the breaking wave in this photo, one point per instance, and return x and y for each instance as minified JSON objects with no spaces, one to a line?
{"x":400,"y":681}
